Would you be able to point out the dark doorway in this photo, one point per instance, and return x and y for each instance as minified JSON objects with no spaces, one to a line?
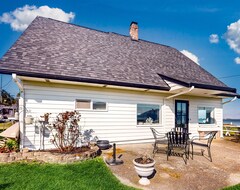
{"x":181,"y":113}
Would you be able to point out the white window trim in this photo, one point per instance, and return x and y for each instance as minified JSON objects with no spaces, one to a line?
{"x":91,"y":105}
{"x":95,"y":110}
{"x":154,"y":124}
{"x":214,"y":116}
{"x":86,"y":99}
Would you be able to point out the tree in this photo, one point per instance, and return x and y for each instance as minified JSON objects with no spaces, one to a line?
{"x":7,"y":99}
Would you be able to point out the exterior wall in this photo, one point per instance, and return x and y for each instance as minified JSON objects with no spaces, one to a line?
{"x":193,"y":115}
{"x":118,"y":123}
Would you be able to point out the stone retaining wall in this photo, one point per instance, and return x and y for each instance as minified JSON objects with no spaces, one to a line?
{"x":49,"y":157}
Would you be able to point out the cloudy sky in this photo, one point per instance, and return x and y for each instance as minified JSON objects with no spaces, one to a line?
{"x":206,"y":31}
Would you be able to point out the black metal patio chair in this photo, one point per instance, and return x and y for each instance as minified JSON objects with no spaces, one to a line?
{"x":204,"y":141}
{"x":178,"y":145}
{"x":180,"y":129}
{"x":160,"y":139}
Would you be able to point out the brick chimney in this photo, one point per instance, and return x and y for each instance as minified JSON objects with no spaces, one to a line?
{"x":134,"y":31}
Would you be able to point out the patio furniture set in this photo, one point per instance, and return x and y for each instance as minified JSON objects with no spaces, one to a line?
{"x":179,"y":143}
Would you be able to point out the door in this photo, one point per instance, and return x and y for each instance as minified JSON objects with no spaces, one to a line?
{"x":181,"y":113}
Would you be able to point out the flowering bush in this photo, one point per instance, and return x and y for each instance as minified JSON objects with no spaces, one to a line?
{"x":66,"y":131}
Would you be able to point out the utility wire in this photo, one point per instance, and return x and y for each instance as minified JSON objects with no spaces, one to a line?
{"x":7,"y":84}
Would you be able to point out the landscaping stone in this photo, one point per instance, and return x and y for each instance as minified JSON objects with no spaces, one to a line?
{"x":50,"y":157}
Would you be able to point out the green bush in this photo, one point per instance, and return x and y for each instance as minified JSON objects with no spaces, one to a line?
{"x":11,"y":145}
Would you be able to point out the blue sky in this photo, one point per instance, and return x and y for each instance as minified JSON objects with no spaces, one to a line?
{"x":185,"y":25}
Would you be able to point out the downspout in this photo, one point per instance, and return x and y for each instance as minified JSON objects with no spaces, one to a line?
{"x":180,"y":93}
{"x":18,"y":82}
{"x":232,"y":100}
{"x":21,"y":109}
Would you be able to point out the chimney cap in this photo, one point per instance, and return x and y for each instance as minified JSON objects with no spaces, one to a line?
{"x":134,"y":31}
{"x":133,"y":22}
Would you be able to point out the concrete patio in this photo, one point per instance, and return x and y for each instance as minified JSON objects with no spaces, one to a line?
{"x":199,"y":173}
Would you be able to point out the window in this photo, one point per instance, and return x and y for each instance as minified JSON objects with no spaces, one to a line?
{"x":83,"y":104}
{"x":99,"y":105}
{"x":147,"y":114}
{"x":206,"y":115}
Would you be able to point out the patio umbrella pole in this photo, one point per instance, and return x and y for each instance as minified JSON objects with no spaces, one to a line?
{"x":114,"y":161}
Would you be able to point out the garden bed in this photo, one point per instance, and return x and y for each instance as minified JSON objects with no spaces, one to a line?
{"x":51,"y":156}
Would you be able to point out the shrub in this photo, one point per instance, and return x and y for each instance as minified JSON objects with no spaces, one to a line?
{"x":12,"y":145}
{"x":66,"y":131}
{"x":9,"y":146}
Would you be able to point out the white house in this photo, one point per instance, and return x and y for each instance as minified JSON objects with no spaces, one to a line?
{"x":121,"y":85}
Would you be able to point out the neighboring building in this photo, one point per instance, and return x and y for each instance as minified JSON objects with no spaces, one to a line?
{"x":121,"y":85}
{"x":8,"y":112}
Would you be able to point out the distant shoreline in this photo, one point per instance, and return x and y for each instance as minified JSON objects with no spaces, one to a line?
{"x":235,"y":122}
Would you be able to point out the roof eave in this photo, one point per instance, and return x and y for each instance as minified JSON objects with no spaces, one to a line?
{"x":211,"y":87}
{"x":85,"y":80}
{"x":228,"y":95}
{"x":198,"y":85}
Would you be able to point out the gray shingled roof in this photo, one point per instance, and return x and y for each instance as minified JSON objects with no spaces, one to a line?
{"x":60,"y":50}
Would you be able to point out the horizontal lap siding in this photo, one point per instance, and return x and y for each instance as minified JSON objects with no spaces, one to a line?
{"x":118,"y":123}
{"x":194,"y":103}
{"x":203,"y":102}
{"x":168,"y":115}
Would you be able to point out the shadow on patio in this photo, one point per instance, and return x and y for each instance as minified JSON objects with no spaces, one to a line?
{"x":199,"y":173}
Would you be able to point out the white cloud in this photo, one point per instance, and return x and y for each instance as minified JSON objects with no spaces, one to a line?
{"x":232,"y":36}
{"x":20,"y":18}
{"x":237,"y":60}
{"x":213,"y":38}
{"x":190,"y":56}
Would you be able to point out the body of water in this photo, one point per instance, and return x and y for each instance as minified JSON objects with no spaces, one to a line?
{"x":232,"y":121}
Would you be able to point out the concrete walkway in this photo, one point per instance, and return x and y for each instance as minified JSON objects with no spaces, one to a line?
{"x":198,"y":174}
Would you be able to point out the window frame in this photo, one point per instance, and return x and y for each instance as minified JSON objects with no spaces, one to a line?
{"x":106,"y":109}
{"x":91,"y":105}
{"x":85,"y":99}
{"x":213,"y":113}
{"x":148,"y":124}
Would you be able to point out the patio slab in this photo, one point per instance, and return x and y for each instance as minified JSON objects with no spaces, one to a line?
{"x":199,"y":173}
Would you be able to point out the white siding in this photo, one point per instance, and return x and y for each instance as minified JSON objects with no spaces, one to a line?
{"x":194,"y":103}
{"x":118,"y":122}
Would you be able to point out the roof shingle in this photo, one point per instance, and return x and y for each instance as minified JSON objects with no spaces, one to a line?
{"x":59,"y":49}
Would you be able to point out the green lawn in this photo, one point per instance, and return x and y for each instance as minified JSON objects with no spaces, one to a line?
{"x":230,"y":128}
{"x":4,"y":126}
{"x":235,"y":187}
{"x":91,"y":174}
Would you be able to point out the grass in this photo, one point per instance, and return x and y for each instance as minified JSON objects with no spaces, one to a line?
{"x":91,"y":174}
{"x":231,"y":128}
{"x":235,"y":187}
{"x":4,"y":126}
